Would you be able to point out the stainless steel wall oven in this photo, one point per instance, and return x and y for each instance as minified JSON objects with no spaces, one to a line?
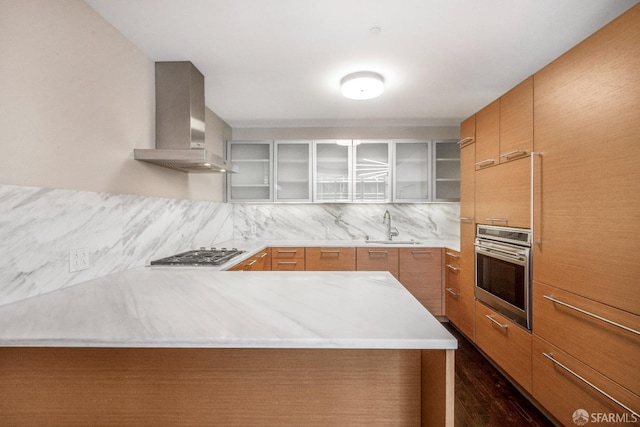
{"x":503,"y":271}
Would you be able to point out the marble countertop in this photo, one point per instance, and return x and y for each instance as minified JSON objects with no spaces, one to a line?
{"x":201,"y":307}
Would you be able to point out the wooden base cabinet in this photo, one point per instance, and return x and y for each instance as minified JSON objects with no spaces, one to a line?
{"x":258,"y":262}
{"x":287,"y":259}
{"x":330,"y":259}
{"x":506,"y":343}
{"x":458,"y":306}
{"x":591,"y":332}
{"x":377,"y":259}
{"x":568,"y":389}
{"x":421,"y":274}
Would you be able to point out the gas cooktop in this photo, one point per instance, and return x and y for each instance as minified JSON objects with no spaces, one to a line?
{"x":200,"y":257}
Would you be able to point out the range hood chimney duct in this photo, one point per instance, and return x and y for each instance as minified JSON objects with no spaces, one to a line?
{"x":180,"y":122}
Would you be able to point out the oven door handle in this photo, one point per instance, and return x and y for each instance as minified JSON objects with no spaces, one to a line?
{"x":503,"y":255}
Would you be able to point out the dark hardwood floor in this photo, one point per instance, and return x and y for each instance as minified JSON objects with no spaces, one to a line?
{"x":484,"y":397}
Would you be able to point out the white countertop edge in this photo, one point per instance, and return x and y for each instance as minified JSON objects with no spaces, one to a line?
{"x":344,"y":344}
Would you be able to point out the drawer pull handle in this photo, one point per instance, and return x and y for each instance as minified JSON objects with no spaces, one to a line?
{"x":465,"y":218}
{"x":451,"y":267}
{"x":287,"y":262}
{"x":485,"y":162}
{"x":596,"y":388}
{"x":287,"y":252}
{"x":252,"y":262}
{"x":378,"y":252}
{"x":514,"y":153}
{"x":595,"y":316}
{"x":465,"y":141}
{"x":452,"y":292}
{"x":263,"y":255}
{"x":452,"y":255}
{"x":322,"y":251}
{"x":490,"y":317}
{"x":498,"y":219}
{"x":420,"y":252}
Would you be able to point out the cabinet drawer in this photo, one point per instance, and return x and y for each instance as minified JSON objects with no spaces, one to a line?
{"x":330,"y":259}
{"x":460,"y":310}
{"x":377,"y":259}
{"x":258,"y":262}
{"x":506,"y":343}
{"x":562,"y":392}
{"x":569,"y":323}
{"x":287,"y":259}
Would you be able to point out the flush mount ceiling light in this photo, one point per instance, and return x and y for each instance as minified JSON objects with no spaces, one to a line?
{"x":362,"y":85}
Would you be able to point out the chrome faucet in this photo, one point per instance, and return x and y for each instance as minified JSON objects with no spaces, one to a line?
{"x":386,"y":219}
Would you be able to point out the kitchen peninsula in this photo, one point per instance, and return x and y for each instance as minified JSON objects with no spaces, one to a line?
{"x":236,"y":348}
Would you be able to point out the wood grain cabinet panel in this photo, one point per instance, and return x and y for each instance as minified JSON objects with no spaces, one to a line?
{"x":561,"y":318}
{"x":287,"y":259}
{"x":468,"y":131}
{"x":488,"y":135}
{"x":587,"y":105}
{"x":377,"y":259}
{"x":258,"y":262}
{"x":561,"y":392}
{"x":467,"y":183}
{"x":421,"y":273}
{"x":458,"y":306}
{"x":506,"y":343}
{"x":503,"y":194}
{"x":330,"y":259}
{"x":516,"y":122}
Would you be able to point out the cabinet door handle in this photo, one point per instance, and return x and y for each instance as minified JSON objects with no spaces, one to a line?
{"x":465,"y":141}
{"x":287,"y":252}
{"x":587,"y":313}
{"x":465,"y":218}
{"x":378,"y":252}
{"x":485,"y":162}
{"x":497,"y":219}
{"x":502,"y":325}
{"x":514,"y":153}
{"x":587,"y":382}
{"x":251,"y":263}
{"x":329,"y":252}
{"x":451,"y":254}
{"x":287,"y":262}
{"x":451,"y":267}
{"x":420,"y":252}
{"x":452,"y":292}
{"x":263,"y":255}
{"x":531,"y":204}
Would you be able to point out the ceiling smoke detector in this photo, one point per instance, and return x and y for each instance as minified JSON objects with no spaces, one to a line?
{"x":362,"y":85}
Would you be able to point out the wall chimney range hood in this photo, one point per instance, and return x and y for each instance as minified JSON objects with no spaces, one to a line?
{"x":180,"y":122}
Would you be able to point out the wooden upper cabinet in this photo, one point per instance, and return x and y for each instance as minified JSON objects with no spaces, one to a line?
{"x":586,"y":208}
{"x":503,"y":194}
{"x":468,"y":131}
{"x":467,"y":182}
{"x":516,"y":122}
{"x":488,"y":135}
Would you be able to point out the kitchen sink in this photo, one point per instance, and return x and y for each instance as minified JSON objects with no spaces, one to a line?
{"x":392,"y":242}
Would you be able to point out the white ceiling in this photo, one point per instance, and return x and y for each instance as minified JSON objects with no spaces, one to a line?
{"x":270,"y":63}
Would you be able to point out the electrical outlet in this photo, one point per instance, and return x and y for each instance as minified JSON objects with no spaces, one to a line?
{"x":254,"y":229}
{"x":78,"y":260}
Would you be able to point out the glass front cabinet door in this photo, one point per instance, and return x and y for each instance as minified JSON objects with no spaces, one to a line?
{"x":332,"y":174}
{"x":292,"y":171}
{"x":446,"y":185}
{"x":412,"y":171}
{"x":253,"y":180}
{"x":372,"y":171}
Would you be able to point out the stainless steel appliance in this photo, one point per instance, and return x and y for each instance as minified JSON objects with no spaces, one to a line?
{"x":201,"y":257}
{"x":503,"y":271}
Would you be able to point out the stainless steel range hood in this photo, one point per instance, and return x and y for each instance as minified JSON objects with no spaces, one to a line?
{"x":180,"y":122}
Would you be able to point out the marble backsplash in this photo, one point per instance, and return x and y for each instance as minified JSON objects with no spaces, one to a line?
{"x":38,"y":228}
{"x":425,"y":221}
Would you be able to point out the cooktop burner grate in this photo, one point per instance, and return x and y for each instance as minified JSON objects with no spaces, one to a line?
{"x":200,"y":257}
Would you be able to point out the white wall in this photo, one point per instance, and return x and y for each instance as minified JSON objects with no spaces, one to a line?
{"x":76,"y":98}
{"x":382,"y":132}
